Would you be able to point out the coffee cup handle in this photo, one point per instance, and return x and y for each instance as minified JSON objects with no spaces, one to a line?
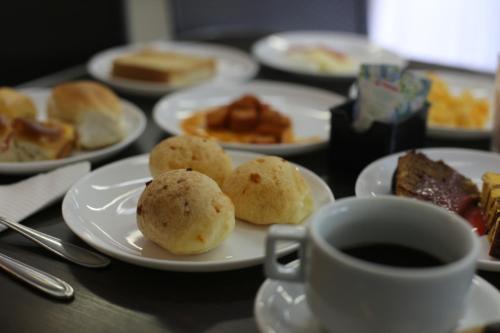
{"x":275,"y":270}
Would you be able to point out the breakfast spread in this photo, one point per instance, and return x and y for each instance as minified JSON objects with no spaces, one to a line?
{"x":463,"y":110}
{"x":245,"y":120}
{"x":269,"y":190}
{"x":421,"y":178}
{"x":200,"y":154}
{"x":321,"y":59}
{"x":185,"y":212}
{"x":94,"y":110}
{"x":165,"y":67}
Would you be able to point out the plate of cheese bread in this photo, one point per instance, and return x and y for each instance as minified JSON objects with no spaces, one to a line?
{"x":191,"y":206}
{"x":41,"y":129}
{"x":463,"y":181}
{"x":262,"y":116}
{"x":155,"y":68}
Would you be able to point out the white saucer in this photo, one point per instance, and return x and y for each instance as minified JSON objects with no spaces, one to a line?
{"x":281,"y":307}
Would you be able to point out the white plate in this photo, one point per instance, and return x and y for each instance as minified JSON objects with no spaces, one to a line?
{"x":135,"y":123}
{"x":281,"y":307}
{"x":480,"y":87}
{"x":307,"y":108}
{"x":273,"y":51}
{"x":101,"y":209}
{"x":232,"y":65}
{"x":376,"y":179}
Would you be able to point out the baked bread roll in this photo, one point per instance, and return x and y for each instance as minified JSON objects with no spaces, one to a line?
{"x":94,"y":110}
{"x":38,"y":141}
{"x":269,"y":190}
{"x":185,"y":212}
{"x":7,"y":147}
{"x":170,"y":68}
{"x":200,"y":154}
{"x":14,"y":104}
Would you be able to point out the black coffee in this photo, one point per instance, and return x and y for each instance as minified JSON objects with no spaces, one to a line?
{"x":393,"y":255}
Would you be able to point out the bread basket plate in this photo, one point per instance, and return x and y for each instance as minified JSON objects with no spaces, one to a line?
{"x":276,"y":51}
{"x":376,"y":180}
{"x":308,"y":109}
{"x":101,"y":210}
{"x":231,"y":65}
{"x":135,"y":123}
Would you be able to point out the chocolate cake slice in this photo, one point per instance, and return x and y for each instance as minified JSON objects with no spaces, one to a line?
{"x":419,"y":177}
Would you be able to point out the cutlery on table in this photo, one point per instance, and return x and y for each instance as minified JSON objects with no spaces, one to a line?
{"x":73,"y":253}
{"x":22,"y":199}
{"x":40,"y":280}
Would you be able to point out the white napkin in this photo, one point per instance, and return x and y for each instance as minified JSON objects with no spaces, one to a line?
{"x":20,"y":200}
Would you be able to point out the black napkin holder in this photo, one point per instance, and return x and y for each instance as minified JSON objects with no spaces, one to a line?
{"x":354,"y":150}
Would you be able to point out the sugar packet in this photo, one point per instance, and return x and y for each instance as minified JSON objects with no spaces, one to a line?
{"x":387,"y":94}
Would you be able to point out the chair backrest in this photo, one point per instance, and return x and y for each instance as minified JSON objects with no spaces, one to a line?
{"x":40,"y":37}
{"x":211,"y":18}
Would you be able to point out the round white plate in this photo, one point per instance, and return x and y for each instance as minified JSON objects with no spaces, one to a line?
{"x":281,"y":307}
{"x":376,"y":179}
{"x":232,"y":65}
{"x":101,"y":210}
{"x":480,"y":87}
{"x":307,"y":108}
{"x":135,"y":123}
{"x":273,"y":51}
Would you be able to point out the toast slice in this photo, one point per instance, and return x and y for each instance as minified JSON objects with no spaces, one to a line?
{"x":174,"y":69}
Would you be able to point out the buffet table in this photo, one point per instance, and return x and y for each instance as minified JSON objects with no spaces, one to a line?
{"x":128,"y":298}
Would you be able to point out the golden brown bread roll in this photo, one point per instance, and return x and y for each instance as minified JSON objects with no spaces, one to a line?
{"x":14,"y":104}
{"x":180,"y":152}
{"x":269,"y":190}
{"x":38,"y":141}
{"x":94,"y":110}
{"x":185,"y":212}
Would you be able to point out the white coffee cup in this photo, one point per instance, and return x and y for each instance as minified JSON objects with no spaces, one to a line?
{"x":352,"y":295}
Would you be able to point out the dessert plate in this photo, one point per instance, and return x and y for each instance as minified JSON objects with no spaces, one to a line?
{"x":282,"y":307}
{"x":135,"y":123}
{"x":101,"y":210}
{"x":232,"y":65}
{"x":275,"y":51}
{"x":376,"y":178}
{"x":306,"y":107}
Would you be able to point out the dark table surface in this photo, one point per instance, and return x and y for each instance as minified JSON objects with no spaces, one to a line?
{"x":128,"y":298}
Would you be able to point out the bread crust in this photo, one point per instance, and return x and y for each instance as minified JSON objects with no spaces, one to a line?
{"x":15,"y":104}
{"x":269,"y":190}
{"x":200,"y":154}
{"x":185,"y":212}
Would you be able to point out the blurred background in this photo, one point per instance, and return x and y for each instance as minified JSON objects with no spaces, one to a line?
{"x":41,"y":37}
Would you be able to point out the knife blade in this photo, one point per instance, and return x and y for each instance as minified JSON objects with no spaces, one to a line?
{"x":20,"y":200}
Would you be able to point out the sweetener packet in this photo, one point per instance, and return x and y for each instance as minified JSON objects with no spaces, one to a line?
{"x":387,"y":94}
